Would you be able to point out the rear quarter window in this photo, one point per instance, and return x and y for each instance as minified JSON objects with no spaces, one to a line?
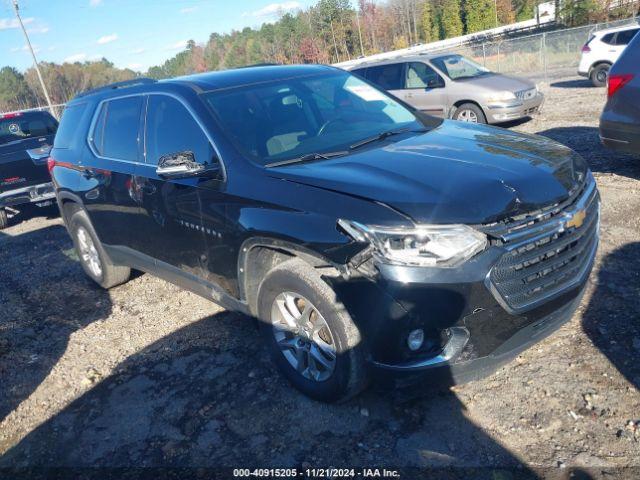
{"x":609,"y":38}
{"x":69,"y":125}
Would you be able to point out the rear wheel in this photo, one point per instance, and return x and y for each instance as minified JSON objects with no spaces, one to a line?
{"x":312,"y":338}
{"x":93,"y":258}
{"x":469,"y":112}
{"x":599,"y":75}
{"x":4,"y":219}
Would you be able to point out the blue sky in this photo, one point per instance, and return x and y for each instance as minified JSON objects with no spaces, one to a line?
{"x":131,"y":33}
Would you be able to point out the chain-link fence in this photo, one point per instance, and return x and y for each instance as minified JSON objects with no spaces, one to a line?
{"x":540,"y":57}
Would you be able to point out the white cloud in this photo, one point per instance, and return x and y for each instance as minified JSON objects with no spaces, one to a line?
{"x":274,"y":9}
{"x":95,"y":57}
{"x":24,"y":48}
{"x":7,"y":23}
{"x":179,"y":45}
{"x":107,"y":39}
{"x":95,"y":3}
{"x":188,"y":9}
{"x":38,"y":30}
{"x":135,"y":66}
{"x":78,"y":57}
{"x":137,"y":51}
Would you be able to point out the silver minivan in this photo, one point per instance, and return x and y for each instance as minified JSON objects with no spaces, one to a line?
{"x":453,"y":86}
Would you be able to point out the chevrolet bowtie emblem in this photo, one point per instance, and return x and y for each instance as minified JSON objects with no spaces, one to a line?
{"x":577,"y":219}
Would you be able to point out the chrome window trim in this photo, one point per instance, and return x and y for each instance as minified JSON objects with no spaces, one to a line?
{"x":146,"y":96}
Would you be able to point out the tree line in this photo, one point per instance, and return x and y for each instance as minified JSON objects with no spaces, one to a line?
{"x":329,"y":31}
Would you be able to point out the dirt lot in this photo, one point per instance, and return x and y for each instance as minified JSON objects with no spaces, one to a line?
{"x":150,"y":375}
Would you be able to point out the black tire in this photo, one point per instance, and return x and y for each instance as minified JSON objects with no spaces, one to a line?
{"x":470,"y":107}
{"x":111,"y":274}
{"x":600,"y":74}
{"x":350,"y":375}
{"x":4,"y":219}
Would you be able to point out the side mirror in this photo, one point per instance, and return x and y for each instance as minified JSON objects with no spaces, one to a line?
{"x":435,"y":83}
{"x":179,"y":165}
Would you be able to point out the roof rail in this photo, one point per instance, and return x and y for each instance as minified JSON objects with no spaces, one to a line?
{"x":261,"y":65}
{"x":114,"y":86}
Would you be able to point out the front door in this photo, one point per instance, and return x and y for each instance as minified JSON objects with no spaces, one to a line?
{"x":424,"y":89}
{"x":171,"y":227}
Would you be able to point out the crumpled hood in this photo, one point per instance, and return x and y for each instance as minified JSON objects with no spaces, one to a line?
{"x":496,"y":81}
{"x":456,"y":173}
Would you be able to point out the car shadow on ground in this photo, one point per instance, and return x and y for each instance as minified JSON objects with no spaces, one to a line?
{"x":576,"y":83}
{"x":192,"y":401}
{"x":586,"y":141}
{"x":55,"y":299}
{"x":615,"y":299}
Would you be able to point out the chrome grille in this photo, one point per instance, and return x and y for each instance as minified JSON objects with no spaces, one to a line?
{"x":526,"y":94}
{"x":548,"y":254}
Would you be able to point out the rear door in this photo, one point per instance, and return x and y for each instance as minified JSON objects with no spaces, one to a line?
{"x":21,"y":133}
{"x":621,"y":41}
{"x":425,"y":89}
{"x":107,"y":183}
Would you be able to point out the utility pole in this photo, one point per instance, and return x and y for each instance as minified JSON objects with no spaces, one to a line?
{"x":35,"y":60}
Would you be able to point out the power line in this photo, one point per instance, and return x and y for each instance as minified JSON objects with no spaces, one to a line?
{"x":35,"y":60}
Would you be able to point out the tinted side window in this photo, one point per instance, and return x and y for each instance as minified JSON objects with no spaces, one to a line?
{"x":420,"y":75}
{"x":172,"y":129}
{"x":388,"y":77}
{"x":69,"y":125}
{"x":361,"y":72}
{"x":115,"y":134}
{"x":626,"y":36}
{"x":609,"y":38}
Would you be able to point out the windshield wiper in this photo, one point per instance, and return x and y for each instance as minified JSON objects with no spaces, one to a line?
{"x":309,"y":157}
{"x":383,"y":135}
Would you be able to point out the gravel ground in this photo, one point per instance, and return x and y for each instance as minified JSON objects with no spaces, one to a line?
{"x":150,"y":375}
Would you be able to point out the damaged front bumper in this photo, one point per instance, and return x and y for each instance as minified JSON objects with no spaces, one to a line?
{"x":39,"y":194}
{"x":479,"y":315}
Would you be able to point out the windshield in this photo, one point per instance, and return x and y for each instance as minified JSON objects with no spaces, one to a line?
{"x":19,"y":126}
{"x":320,"y":114}
{"x":458,"y":67}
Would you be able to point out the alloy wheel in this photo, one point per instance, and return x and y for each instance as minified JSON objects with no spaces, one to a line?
{"x":88,"y":252}
{"x":467,"y":116}
{"x":303,"y":336}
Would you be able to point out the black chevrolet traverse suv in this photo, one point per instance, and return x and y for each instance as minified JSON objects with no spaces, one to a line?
{"x":25,"y":142}
{"x":369,"y":240}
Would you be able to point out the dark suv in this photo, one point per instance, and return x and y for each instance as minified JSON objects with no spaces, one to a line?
{"x":369,"y":240}
{"x":25,"y":142}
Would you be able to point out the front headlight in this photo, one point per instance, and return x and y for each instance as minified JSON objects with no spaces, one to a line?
{"x":425,"y":245}
{"x":502,"y":97}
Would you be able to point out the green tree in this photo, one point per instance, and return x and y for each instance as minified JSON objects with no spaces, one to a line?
{"x":14,"y":91}
{"x":479,"y":15}
{"x":451,"y":23}
{"x":427,"y":21}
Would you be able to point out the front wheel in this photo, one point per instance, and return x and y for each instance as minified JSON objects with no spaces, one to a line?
{"x":93,"y":258}
{"x":312,"y":338}
{"x":600,"y":74}
{"x":4,"y":219}
{"x":469,"y":112}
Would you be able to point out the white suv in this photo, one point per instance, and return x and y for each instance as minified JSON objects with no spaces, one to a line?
{"x":602,"y":50}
